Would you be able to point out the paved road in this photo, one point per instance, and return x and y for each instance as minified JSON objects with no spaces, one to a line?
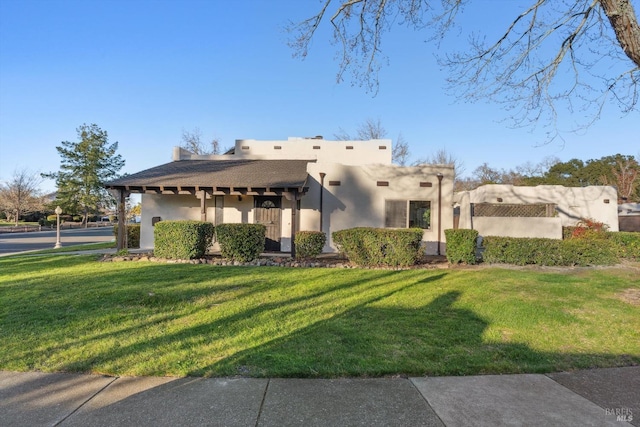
{"x":20,"y":242}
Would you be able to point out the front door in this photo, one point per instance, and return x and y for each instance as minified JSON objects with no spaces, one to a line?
{"x":267,"y":212}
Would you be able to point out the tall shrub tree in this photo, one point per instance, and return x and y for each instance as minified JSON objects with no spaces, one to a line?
{"x":85,"y":166}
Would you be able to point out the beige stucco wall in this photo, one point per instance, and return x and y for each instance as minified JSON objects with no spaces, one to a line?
{"x":375,"y":151}
{"x":573,"y":204}
{"x":550,"y":228}
{"x":359,"y":202}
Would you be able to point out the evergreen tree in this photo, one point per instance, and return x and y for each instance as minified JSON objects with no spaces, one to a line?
{"x":85,"y":166}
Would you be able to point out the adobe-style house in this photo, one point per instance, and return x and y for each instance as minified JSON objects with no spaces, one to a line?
{"x":296,"y":184}
{"x":540,"y":211}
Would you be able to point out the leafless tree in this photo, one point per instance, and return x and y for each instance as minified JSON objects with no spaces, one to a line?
{"x":400,"y":154}
{"x":368,"y":129}
{"x":192,"y":141}
{"x":21,"y":195}
{"x":373,"y":129}
{"x":595,"y":42}
{"x":443,"y":157}
{"x":626,"y":177}
{"x":529,"y":169}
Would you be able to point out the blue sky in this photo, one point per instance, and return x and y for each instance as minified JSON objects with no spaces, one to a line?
{"x":145,"y":70}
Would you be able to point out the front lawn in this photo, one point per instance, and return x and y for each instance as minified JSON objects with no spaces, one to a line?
{"x":73,"y":313}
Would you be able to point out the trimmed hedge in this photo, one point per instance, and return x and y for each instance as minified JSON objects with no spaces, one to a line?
{"x":182,"y":239}
{"x":133,"y":235}
{"x":380,"y":246}
{"x":241,"y":242}
{"x":309,"y":243}
{"x":461,"y":245}
{"x":548,"y":252}
{"x":626,"y":244}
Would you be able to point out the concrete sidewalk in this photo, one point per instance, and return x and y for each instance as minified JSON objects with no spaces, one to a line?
{"x":599,"y":397}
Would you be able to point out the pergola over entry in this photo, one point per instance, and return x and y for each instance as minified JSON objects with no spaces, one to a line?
{"x":207,"y":178}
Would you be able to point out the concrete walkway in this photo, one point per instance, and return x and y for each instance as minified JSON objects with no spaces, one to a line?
{"x":599,"y":397}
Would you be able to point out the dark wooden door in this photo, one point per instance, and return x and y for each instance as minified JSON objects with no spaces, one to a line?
{"x":268,"y":213}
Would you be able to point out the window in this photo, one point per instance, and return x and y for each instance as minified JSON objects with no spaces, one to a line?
{"x":407,"y":214}
{"x":419,"y":214}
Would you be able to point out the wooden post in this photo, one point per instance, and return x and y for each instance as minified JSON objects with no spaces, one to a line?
{"x":122,"y":229}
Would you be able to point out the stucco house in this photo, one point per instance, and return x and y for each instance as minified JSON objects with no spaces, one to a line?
{"x":296,"y":184}
{"x":540,"y":211}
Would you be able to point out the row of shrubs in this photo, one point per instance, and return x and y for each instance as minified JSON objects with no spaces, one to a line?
{"x":245,"y":242}
{"x":577,"y":249}
{"x":239,"y":242}
{"x":393,"y":247}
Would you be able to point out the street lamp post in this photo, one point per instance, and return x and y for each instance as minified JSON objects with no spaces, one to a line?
{"x":58,"y":211}
{"x":440,"y":176}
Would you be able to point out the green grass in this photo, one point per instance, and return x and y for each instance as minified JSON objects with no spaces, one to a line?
{"x":73,"y":248}
{"x":72,"y":313}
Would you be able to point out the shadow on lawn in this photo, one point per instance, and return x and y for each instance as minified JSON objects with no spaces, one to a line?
{"x":435,"y":339}
{"x":224,"y":327}
{"x":379,"y":336}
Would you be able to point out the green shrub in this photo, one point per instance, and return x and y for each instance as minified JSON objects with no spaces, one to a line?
{"x":567,"y":232}
{"x":133,"y":235}
{"x":309,"y":243}
{"x":380,"y":246}
{"x":461,"y":245}
{"x":182,"y":239}
{"x":241,"y":242}
{"x":625,"y":244}
{"x":585,"y":252}
{"x":548,"y":252}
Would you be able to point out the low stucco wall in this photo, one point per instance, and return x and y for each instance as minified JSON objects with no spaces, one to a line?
{"x":550,"y":228}
{"x":572,"y":205}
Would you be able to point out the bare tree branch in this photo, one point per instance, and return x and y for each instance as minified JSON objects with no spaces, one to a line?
{"x":556,"y":56}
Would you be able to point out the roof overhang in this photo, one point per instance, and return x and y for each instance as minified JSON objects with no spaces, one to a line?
{"x":219,"y":177}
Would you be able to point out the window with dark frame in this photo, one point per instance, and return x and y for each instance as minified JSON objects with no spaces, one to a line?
{"x":407,"y":214}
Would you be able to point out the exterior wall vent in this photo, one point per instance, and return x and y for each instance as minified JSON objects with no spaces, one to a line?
{"x":334,"y":183}
{"x":277,"y":147}
{"x":245,"y":147}
{"x":382,"y":183}
{"x":349,"y":147}
{"x":316,"y":147}
{"x":382,"y":147}
{"x":426,"y":184}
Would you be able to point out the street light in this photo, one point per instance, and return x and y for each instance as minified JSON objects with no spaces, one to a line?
{"x":58,"y":211}
{"x":440,"y":176}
